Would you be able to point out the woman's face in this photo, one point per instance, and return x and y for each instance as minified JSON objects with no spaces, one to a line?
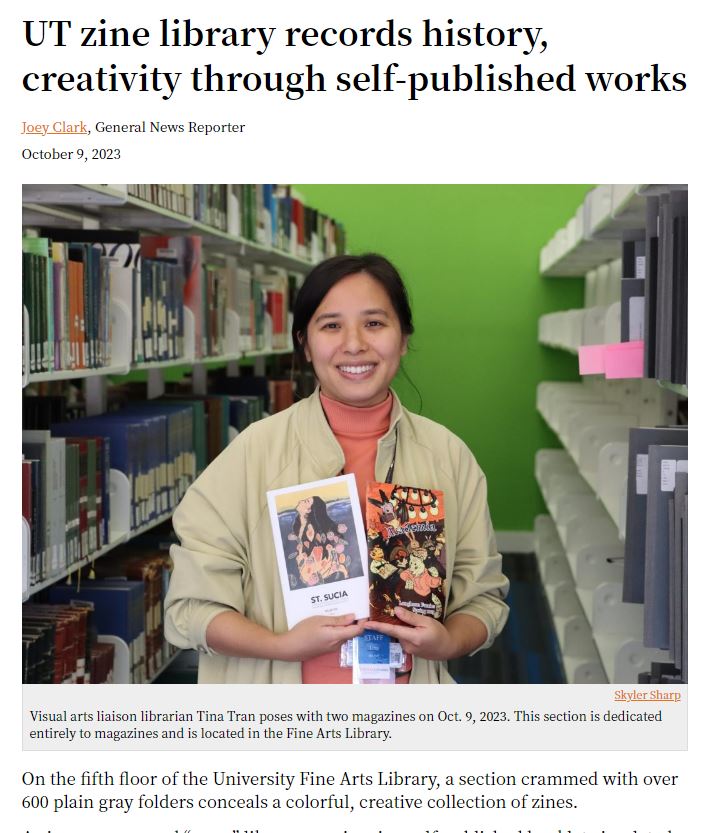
{"x":354,"y":341}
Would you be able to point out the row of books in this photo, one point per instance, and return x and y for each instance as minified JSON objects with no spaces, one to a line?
{"x":124,"y":599}
{"x":59,"y":645}
{"x":71,"y":277}
{"x":271,"y":215}
{"x":160,"y":446}
{"x":210,"y":290}
{"x":275,"y":215}
{"x":66,"y":290}
{"x":654,"y":287}
{"x":655,"y":546}
{"x":65,"y":500}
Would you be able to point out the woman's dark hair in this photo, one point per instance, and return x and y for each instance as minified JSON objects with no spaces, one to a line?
{"x":318,"y":516}
{"x":323,"y":277}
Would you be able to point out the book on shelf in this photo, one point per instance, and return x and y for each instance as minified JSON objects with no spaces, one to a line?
{"x":160,"y":445}
{"x":130,"y":439}
{"x":238,"y":281}
{"x":320,"y":548}
{"x":247,"y":386}
{"x":66,"y":289}
{"x":124,"y":598}
{"x":69,"y":515}
{"x":215,"y":310}
{"x":38,"y":652}
{"x":181,"y":257}
{"x":210,"y":205}
{"x":90,"y":269}
{"x":38,"y":298}
{"x":57,"y":643}
{"x":31,"y":511}
{"x":177,"y":449}
{"x":50,"y":498}
{"x":40,"y":411}
{"x":176,"y":198}
{"x":117,"y":609}
{"x":149,"y":565}
{"x":406,"y":550}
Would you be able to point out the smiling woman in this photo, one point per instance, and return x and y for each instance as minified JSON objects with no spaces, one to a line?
{"x":352,"y":322}
{"x":354,"y":340}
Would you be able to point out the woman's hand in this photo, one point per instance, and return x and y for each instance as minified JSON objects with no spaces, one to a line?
{"x":425,"y":637}
{"x":317,"y":635}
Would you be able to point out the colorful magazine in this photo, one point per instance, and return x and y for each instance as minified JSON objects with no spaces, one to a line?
{"x":406,"y":550}
{"x":320,"y":548}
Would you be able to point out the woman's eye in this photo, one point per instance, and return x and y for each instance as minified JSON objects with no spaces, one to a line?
{"x":330,"y":325}
{"x":375,"y":324}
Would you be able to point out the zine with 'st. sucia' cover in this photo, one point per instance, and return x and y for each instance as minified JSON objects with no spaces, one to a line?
{"x":406,"y":550}
{"x":321,"y":549}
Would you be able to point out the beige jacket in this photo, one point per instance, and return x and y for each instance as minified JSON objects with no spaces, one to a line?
{"x":227,"y":561}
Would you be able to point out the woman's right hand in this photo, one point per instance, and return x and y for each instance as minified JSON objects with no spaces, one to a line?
{"x":317,"y":635}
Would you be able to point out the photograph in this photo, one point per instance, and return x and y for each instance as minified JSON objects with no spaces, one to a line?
{"x":207,"y":367}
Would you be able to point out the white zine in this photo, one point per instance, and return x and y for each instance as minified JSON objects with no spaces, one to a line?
{"x":321,"y":549}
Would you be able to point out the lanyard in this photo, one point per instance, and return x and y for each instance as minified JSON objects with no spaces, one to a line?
{"x":391,"y":467}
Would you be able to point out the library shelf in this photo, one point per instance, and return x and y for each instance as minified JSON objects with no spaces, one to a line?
{"x":164,"y":665}
{"x":600,"y":637}
{"x":115,"y":208}
{"x":572,"y":329}
{"x":93,"y":206}
{"x":116,"y":539}
{"x":679,"y":390}
{"x":593,"y":235}
{"x":121,"y":670}
{"x":68,"y":375}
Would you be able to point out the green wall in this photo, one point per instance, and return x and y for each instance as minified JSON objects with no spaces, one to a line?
{"x":469,"y":255}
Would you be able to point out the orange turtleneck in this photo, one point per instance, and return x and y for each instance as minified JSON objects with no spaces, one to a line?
{"x":357,"y":431}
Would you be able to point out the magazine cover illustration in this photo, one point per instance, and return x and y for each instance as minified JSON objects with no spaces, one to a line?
{"x":320,"y":548}
{"x":406,"y":550}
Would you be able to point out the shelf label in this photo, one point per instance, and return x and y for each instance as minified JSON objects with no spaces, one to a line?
{"x":642,"y":473}
{"x":636,"y":319}
{"x":668,"y":475}
{"x":640,"y":267}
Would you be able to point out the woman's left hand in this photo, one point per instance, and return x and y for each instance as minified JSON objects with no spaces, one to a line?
{"x":428,"y":638}
{"x":420,"y":635}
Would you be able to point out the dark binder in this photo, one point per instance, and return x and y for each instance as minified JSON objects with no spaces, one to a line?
{"x":635,"y":535}
{"x":651,"y":264}
{"x":657,"y":589}
{"x":678,"y":585}
{"x":680,"y":301}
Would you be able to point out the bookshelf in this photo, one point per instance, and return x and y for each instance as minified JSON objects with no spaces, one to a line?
{"x":593,"y":235}
{"x":583,"y":547}
{"x":271,"y":259}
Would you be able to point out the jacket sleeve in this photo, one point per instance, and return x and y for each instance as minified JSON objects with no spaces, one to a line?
{"x":210,"y":564}
{"x":478,"y":586}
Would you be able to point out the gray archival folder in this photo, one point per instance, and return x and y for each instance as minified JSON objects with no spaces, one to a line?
{"x":635,"y":538}
{"x":657,"y":626}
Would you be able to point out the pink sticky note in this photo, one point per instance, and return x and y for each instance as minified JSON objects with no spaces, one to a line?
{"x":624,"y":360}
{"x":591,"y":359}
